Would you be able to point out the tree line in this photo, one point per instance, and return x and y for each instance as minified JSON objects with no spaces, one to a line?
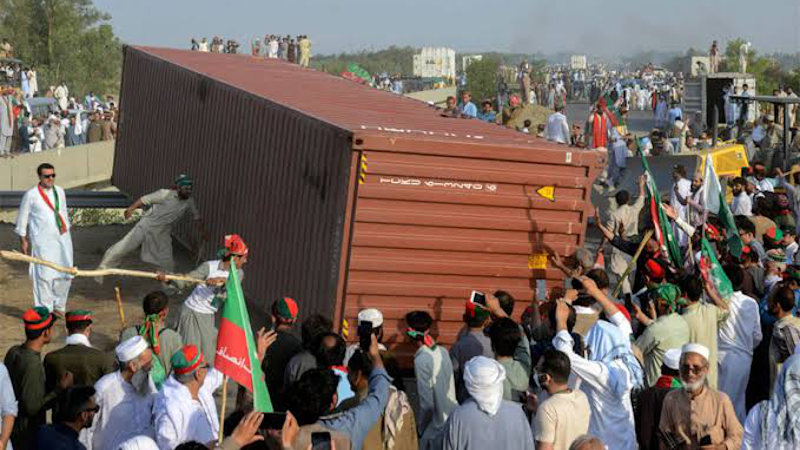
{"x":64,"y":40}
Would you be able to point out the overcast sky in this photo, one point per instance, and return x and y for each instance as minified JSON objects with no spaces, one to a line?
{"x":597,"y":27}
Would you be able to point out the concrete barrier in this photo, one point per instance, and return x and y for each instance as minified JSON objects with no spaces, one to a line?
{"x":78,"y":166}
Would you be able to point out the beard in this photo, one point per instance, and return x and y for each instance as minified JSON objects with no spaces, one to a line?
{"x":694,"y":387}
{"x":141,"y":381}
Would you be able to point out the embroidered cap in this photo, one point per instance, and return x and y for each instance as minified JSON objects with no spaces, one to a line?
{"x":38,"y":318}
{"x":371,"y":315}
{"x":475,"y":310}
{"x":130,"y":348}
{"x":186,"y":360}
{"x":234,"y":245}
{"x":79,"y":315}
{"x":184,"y":180}
{"x":285,"y":308}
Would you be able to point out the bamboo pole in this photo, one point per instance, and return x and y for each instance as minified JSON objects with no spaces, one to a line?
{"x":74,"y":271}
{"x":639,"y":250}
{"x":119,"y":307}
{"x":222,"y":413}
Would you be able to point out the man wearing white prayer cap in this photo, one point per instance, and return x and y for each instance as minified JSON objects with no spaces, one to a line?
{"x":697,"y":415}
{"x":375,"y":317}
{"x":485,"y":420}
{"x":125,"y":399}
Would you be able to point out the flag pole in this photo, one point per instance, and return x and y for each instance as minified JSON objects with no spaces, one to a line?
{"x":119,"y":308}
{"x":224,"y":404}
{"x":639,"y":250}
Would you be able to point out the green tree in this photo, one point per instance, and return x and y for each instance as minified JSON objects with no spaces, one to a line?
{"x":481,"y":78}
{"x":65,"y":40}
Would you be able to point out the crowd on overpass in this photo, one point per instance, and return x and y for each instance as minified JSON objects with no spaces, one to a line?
{"x":294,"y":50}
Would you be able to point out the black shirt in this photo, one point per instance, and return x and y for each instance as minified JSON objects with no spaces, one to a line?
{"x":58,"y":437}
{"x":275,"y":361}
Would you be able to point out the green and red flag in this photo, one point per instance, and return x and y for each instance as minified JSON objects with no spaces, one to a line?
{"x":714,"y":200}
{"x":712,"y":271}
{"x":237,"y":356}
{"x":663,"y":229}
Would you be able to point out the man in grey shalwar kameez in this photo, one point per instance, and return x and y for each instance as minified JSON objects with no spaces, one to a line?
{"x":152,"y":232}
{"x":196,"y":320}
{"x":485,"y":420}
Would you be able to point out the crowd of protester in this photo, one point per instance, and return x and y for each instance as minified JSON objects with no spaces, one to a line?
{"x":33,"y":120}
{"x":295,"y":50}
{"x":662,"y":356}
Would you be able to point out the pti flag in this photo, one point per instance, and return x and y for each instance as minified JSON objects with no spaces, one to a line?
{"x":663,"y":228}
{"x":714,"y":199}
{"x":236,"y":348}
{"x":712,"y":270}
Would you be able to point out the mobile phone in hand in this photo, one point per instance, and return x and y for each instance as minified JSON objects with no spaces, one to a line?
{"x":321,"y":440}
{"x":478,"y":297}
{"x":273,"y":421}
{"x":365,"y":335}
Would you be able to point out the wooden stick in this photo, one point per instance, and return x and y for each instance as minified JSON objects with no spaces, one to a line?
{"x":119,"y":307}
{"x":74,"y":271}
{"x":222,"y":413}
{"x":639,"y":250}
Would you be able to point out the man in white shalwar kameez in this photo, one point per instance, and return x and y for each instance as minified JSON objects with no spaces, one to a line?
{"x":678,"y":198}
{"x":125,"y":399}
{"x":152,"y":232}
{"x":185,"y":409}
{"x":609,"y":372}
{"x":737,"y":339}
{"x":44,"y":231}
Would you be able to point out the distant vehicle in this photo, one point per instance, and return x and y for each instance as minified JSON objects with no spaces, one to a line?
{"x":42,"y":106}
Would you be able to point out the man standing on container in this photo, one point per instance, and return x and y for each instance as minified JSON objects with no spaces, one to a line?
{"x":44,"y":231}
{"x":152,"y":232}
{"x":557,"y":127}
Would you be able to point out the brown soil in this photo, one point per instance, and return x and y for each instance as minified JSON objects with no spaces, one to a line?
{"x":89,"y":244}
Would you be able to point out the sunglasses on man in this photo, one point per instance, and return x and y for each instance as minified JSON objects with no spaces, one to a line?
{"x":49,"y":175}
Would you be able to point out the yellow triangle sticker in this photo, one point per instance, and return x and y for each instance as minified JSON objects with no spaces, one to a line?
{"x":547,"y":192}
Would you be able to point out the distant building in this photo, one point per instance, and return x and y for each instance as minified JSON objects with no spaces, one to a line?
{"x":434,"y":62}
{"x":578,"y":62}
{"x":469,"y":59}
{"x":695,"y":66}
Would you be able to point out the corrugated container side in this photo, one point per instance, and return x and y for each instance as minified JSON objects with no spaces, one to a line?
{"x":277,"y":177}
{"x":430,"y":228}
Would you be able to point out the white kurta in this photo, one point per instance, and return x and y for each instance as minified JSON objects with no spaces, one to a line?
{"x":37,"y":221}
{"x":124,"y":413}
{"x":179,"y":418}
{"x":685,"y":190}
{"x":737,"y":338}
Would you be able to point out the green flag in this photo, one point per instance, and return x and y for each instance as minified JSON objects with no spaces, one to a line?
{"x":712,"y":270}
{"x":714,"y":200}
{"x":236,"y":356}
{"x":663,"y":228}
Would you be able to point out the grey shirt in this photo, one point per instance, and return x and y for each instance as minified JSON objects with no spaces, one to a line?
{"x":298,"y":365}
{"x":468,"y":346}
{"x":469,"y":428}
{"x":358,"y":421}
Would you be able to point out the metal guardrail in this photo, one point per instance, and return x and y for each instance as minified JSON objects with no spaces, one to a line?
{"x":75,"y":199}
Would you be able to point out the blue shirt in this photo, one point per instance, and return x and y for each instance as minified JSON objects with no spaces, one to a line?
{"x":469,"y":109}
{"x":358,"y":421}
{"x":487,"y":117}
{"x":674,"y":114}
{"x":343,"y":391}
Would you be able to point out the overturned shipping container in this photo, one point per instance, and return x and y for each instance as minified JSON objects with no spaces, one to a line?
{"x":350,"y":197}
